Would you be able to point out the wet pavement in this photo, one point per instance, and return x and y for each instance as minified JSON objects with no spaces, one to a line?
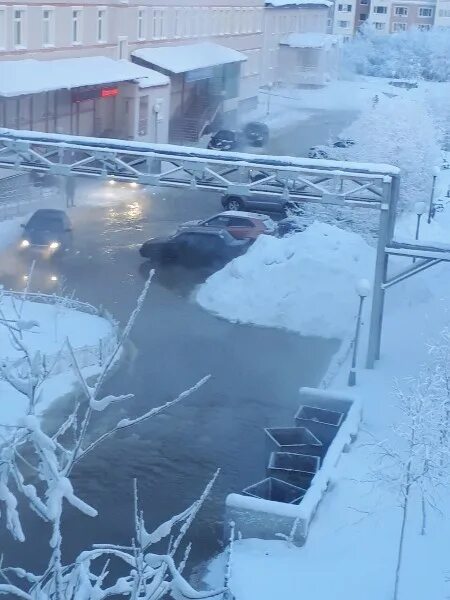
{"x":255,"y":375}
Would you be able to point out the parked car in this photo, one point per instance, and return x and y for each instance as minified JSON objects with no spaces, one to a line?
{"x":48,"y":230}
{"x":241,"y":225}
{"x":256,"y":133}
{"x":319,"y":152}
{"x":289,"y":225}
{"x":344,"y":143}
{"x":195,"y":247}
{"x":224,"y":140}
{"x":123,"y":185}
{"x":257,"y":202}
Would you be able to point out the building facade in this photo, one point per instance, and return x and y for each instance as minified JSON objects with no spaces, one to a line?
{"x":121,"y":30}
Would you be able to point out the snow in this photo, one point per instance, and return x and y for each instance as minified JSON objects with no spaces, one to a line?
{"x":189,"y":57}
{"x":30,"y":76}
{"x":56,"y":324}
{"x":310,"y":40}
{"x":304,"y":282}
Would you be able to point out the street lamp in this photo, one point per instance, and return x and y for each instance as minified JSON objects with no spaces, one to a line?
{"x":156,"y":110}
{"x":436,"y":172}
{"x":419,"y":209}
{"x":269,"y":95}
{"x":363,"y":289}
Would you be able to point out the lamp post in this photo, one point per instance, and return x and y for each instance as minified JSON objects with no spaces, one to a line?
{"x":156,"y":110}
{"x":363,"y":289}
{"x":419,"y":209}
{"x":436,"y":171}
{"x":269,"y":95}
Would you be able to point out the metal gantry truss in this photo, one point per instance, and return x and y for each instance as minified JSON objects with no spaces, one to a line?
{"x":289,"y":179}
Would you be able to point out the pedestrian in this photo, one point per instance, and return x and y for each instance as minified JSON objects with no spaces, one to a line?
{"x":375,"y":100}
{"x":70,"y":190}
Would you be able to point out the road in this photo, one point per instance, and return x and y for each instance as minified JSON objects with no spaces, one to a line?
{"x":256,"y":373}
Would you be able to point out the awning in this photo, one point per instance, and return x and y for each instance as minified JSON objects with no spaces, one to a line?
{"x":181,"y":59}
{"x":310,"y":40}
{"x":29,"y":76}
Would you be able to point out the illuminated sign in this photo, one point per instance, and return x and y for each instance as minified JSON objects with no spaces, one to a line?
{"x":108,"y":92}
{"x":93,"y":93}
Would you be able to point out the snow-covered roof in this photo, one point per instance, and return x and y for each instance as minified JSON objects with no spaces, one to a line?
{"x":180,"y":59}
{"x":29,"y":76}
{"x":310,"y":40}
{"x":283,"y":3}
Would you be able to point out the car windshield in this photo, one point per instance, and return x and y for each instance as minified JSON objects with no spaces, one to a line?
{"x":46,"y":222}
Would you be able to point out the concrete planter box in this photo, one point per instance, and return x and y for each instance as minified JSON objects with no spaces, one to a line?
{"x":322,"y":422}
{"x":298,"y":469}
{"x":296,"y":440}
{"x":276,"y":490}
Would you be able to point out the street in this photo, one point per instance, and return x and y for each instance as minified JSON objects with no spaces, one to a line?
{"x":255,"y":373}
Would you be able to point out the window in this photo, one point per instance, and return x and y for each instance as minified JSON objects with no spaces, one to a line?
{"x":380,"y":10}
{"x":237,"y":20}
{"x":343,"y":24}
{"x":141,"y":24}
{"x":2,"y":28}
{"x":76,"y":25}
{"x":364,"y":1}
{"x":399,"y":27}
{"x":444,"y":13}
{"x":401,"y":11}
{"x":380,"y":26}
{"x":48,"y":27}
{"x":158,"y":24}
{"x":425,"y":12}
{"x":19,"y":28}
{"x":423,"y":27}
{"x":363,"y":17}
{"x":101,"y":25}
{"x":344,"y":7}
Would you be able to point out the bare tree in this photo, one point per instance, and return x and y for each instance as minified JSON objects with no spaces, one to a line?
{"x":27,"y":454}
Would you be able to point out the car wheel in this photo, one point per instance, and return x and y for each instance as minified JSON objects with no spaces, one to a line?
{"x":233,"y":203}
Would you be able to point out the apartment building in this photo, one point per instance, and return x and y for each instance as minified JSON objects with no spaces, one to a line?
{"x":389,"y":16}
{"x":233,"y":48}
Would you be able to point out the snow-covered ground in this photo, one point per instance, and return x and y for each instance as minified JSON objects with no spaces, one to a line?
{"x":46,"y":327}
{"x":304,"y":282}
{"x":351,"y":549}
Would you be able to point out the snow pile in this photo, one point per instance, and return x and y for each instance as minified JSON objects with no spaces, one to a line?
{"x":304,"y":282}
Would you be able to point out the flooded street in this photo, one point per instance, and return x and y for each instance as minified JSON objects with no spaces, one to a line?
{"x":255,"y":375}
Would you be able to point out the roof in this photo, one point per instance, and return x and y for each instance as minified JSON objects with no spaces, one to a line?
{"x":310,"y":40}
{"x":287,"y":3}
{"x":189,"y":57}
{"x":29,"y":76}
{"x":243,"y":213}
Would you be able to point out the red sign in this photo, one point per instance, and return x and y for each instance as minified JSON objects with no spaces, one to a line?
{"x":108,"y":92}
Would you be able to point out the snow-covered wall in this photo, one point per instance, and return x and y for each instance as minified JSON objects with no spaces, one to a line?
{"x":266,"y":519}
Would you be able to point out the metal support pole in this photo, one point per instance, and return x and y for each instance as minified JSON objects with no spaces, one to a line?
{"x":431,"y":206}
{"x":352,"y":374}
{"x":376,"y":316}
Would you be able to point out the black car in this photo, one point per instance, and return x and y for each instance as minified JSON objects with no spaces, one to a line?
{"x":48,"y":230}
{"x":195,"y":247}
{"x":224,"y":140}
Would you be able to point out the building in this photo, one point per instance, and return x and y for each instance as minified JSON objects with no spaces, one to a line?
{"x":442,"y":13}
{"x":283,"y":18}
{"x":309,"y":58}
{"x":233,"y":49}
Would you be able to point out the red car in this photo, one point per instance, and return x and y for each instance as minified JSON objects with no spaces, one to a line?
{"x":241,"y":225}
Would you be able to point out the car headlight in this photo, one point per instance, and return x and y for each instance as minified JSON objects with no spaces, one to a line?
{"x":54,"y":245}
{"x":133,"y":184}
{"x":53,"y":278}
{"x":112,"y":182}
{"x":24,"y":243}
